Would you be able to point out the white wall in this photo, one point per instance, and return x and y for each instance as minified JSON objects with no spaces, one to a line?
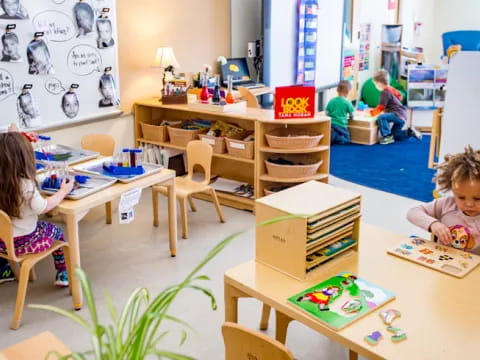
{"x":246,"y":23}
{"x":121,"y":129}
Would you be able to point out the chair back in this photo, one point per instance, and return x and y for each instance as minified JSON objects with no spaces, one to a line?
{"x":101,"y":143}
{"x":247,"y":95}
{"x":199,"y":153}
{"x":6,"y":235}
{"x":242,"y":343}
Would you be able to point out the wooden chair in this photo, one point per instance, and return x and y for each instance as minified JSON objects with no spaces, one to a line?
{"x":435,"y":138}
{"x":249,"y":97}
{"x":105,"y":145}
{"x":242,"y":343}
{"x":26,"y":263}
{"x":198,"y":154}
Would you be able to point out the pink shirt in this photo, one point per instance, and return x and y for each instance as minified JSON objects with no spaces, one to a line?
{"x":446,"y":211}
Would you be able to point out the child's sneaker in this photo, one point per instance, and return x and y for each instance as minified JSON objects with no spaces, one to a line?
{"x":61,"y":280}
{"x":387,"y":140}
{"x":415,"y":133}
{"x":6,"y":274}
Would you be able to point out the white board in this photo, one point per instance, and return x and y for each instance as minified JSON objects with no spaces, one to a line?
{"x":280,"y":42}
{"x":460,"y":124}
{"x":71,"y":59}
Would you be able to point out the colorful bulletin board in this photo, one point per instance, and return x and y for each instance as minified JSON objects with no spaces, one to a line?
{"x":307,"y":41}
{"x":426,"y":85}
{"x":79,"y":43}
{"x":348,"y":64}
{"x":341,"y":300}
{"x":364,"y":47}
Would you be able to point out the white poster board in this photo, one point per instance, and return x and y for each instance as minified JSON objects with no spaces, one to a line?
{"x":460,"y":124}
{"x":76,"y":48}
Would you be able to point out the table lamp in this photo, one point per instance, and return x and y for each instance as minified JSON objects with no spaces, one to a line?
{"x":165,"y":59}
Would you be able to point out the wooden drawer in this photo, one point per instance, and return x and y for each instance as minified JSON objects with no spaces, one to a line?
{"x":362,"y":135}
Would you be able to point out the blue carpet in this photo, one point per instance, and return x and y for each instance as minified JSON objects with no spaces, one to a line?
{"x":399,"y":168}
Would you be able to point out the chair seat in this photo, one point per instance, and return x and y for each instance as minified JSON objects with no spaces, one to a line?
{"x":184,"y":187}
{"x":33,"y":258}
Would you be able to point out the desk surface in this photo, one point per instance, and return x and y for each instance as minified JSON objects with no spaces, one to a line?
{"x":114,"y":191}
{"x":440,"y":313}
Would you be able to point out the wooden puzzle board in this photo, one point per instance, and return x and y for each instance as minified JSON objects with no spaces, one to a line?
{"x":442,"y":258}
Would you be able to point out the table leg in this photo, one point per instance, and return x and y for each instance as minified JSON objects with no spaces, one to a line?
{"x":352,"y":355}
{"x":172,"y":217}
{"x":73,"y":240}
{"x":281,"y":326}
{"x":265,"y":317}
{"x":108,"y":212}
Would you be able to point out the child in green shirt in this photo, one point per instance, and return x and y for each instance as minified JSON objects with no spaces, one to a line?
{"x":339,"y":109}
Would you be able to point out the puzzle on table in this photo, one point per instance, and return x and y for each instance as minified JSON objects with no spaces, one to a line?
{"x":341,"y":300}
{"x":434,"y":255}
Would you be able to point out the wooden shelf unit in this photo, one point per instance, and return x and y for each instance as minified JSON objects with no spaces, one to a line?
{"x":326,"y":215}
{"x":152,"y":111}
{"x":320,"y":124}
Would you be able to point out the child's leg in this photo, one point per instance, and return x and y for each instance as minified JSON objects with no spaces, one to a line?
{"x":339,"y":135}
{"x":397,"y":132}
{"x":384,"y":121}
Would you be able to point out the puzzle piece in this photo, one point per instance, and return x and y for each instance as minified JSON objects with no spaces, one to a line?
{"x":406,"y":246}
{"x":402,"y":251}
{"x":421,"y":258}
{"x":429,"y":261}
{"x":398,"y":334}
{"x":466,"y":255}
{"x":389,"y":315}
{"x":352,"y":306}
{"x":418,"y":241}
{"x":373,"y":338}
{"x":445,"y":257}
{"x":441,"y":248}
{"x":426,"y":251}
{"x":463,"y":263}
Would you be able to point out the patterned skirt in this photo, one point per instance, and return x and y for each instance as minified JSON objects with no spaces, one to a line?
{"x":38,"y":241}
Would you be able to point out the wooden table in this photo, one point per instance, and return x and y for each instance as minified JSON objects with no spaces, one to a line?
{"x":440,"y":313}
{"x":35,"y":348}
{"x":75,"y":210}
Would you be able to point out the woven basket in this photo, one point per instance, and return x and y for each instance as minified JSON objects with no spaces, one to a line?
{"x":294,"y":171}
{"x":182,"y":137}
{"x":239,"y":148}
{"x":293,"y":138}
{"x":217,"y":143}
{"x":154,"y":132}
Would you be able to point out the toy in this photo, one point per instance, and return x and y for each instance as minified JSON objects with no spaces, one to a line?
{"x":448,"y":259}
{"x":340,"y":300}
{"x":398,"y":334}
{"x":389,"y":315}
{"x":461,"y":237}
{"x":373,"y":338}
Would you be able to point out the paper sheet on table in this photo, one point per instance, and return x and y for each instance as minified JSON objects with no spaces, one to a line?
{"x":128,"y":200}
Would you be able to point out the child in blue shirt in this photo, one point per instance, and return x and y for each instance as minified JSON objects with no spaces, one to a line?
{"x":340,"y":109}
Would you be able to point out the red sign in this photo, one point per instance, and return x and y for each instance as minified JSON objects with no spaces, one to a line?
{"x":294,"y":102}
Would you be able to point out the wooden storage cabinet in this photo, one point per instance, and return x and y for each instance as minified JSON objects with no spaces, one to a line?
{"x":363,"y":130}
{"x":326,"y":215}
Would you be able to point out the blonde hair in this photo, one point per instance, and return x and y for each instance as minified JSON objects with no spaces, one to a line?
{"x":458,"y":168}
{"x":381,"y":77}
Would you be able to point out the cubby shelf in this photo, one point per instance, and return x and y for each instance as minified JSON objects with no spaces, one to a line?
{"x":293,"y":180}
{"x":294,"y":151}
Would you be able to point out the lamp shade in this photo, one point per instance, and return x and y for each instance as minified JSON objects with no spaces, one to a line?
{"x":165,"y":58}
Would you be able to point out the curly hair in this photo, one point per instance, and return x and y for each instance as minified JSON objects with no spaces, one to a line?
{"x":458,"y":168}
{"x":17,"y":162}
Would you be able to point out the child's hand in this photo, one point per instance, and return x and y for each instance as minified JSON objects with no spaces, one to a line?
{"x":66,"y":187}
{"x":442,"y":232}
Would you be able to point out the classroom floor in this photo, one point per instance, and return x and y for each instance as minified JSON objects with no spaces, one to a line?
{"x":119,"y":258}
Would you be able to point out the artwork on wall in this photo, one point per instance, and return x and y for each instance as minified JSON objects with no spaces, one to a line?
{"x":426,"y":85}
{"x":307,"y":41}
{"x":364,"y":48}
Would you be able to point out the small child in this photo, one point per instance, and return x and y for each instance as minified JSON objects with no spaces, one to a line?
{"x":21,"y":200}
{"x":339,"y":109}
{"x":394,"y":112}
{"x":454,"y":220}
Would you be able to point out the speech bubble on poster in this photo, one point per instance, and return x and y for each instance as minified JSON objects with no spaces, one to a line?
{"x":56,"y":25}
{"x":6,"y":84}
{"x":58,"y":2}
{"x":54,"y":86}
{"x":84,"y":59}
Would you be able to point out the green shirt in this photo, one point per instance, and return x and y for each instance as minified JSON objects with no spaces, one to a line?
{"x":338,"y":109}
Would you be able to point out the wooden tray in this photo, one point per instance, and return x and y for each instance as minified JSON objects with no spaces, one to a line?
{"x":442,"y":258}
{"x":94,"y":184}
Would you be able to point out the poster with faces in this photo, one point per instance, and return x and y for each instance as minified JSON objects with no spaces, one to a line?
{"x":70,"y":103}
{"x":84,"y":18}
{"x":39,"y":60}
{"x":105,"y":33}
{"x":10,"y":46}
{"x":13,"y":9}
{"x":108,"y":90}
{"x":28,"y":112}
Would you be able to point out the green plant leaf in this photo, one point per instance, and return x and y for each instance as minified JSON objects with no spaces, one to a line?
{"x":171,"y":356}
{"x":111,"y":309}
{"x":184,"y":337}
{"x":68,"y":314}
{"x":207,"y":292}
